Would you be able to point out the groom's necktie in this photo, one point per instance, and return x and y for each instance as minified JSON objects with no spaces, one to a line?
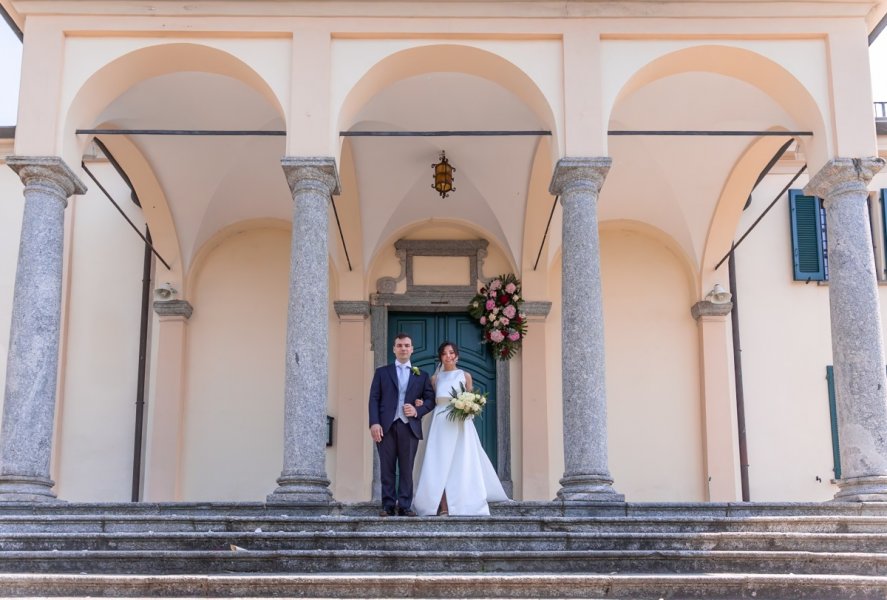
{"x":403,"y":378}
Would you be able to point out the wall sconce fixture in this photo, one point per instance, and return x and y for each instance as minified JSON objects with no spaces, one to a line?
{"x":718,"y":295}
{"x":165,"y":291}
{"x":443,"y":176}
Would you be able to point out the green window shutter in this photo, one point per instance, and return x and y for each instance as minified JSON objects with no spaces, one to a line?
{"x":809,"y":245}
{"x":833,"y":414}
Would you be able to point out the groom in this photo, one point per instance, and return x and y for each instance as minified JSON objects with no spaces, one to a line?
{"x":396,"y":424}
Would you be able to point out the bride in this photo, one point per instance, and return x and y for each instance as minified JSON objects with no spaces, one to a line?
{"x":457,"y":477}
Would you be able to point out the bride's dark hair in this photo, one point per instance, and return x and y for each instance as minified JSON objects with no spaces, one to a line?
{"x":443,"y":346}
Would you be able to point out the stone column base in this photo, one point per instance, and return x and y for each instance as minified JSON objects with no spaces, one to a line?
{"x":862,"y":489}
{"x":300,"y":489}
{"x":588,"y":488}
{"x":23,"y":488}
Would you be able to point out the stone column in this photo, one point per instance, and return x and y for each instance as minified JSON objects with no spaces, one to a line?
{"x":32,"y":368}
{"x":721,"y":432}
{"x":857,"y":345}
{"x":163,"y":447}
{"x":587,"y":475}
{"x":304,"y":479}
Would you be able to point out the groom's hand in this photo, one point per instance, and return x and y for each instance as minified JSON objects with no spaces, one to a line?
{"x":376,"y":433}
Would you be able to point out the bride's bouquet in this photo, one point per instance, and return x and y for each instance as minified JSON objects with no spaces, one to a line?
{"x":465,"y":404}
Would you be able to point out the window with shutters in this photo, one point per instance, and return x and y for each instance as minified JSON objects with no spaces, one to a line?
{"x":809,"y":240}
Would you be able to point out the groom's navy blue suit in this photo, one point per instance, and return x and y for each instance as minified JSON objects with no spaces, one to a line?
{"x":399,"y":440}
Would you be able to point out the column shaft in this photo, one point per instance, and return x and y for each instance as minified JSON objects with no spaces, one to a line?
{"x":587,"y":476}
{"x":857,"y":344}
{"x":304,"y":478}
{"x":32,"y":368}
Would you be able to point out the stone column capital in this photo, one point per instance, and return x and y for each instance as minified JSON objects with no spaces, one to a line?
{"x":311,"y":172}
{"x":47,"y":172}
{"x":842,"y":175}
{"x":173,"y":308}
{"x":586,"y":173}
{"x":707,"y":308}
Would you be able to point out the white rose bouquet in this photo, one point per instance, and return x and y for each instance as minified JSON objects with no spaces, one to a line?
{"x":465,"y":404}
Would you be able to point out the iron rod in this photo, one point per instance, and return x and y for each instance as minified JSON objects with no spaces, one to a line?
{"x":456,"y":133}
{"x":120,"y":210}
{"x":341,"y":235}
{"x":545,"y":235}
{"x":758,"y":220}
{"x":726,"y":133}
{"x":186,"y":132}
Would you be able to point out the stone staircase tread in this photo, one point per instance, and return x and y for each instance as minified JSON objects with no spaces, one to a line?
{"x":448,"y":585}
{"x":452,"y":518}
{"x":457,"y":534}
{"x":447,"y":554}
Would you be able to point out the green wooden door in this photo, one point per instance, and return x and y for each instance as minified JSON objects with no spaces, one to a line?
{"x":428,"y":330}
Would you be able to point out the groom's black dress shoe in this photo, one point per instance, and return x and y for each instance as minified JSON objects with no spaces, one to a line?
{"x":406,"y":513}
{"x":386,"y":512}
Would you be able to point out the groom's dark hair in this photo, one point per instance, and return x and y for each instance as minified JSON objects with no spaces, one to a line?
{"x":403,"y":335}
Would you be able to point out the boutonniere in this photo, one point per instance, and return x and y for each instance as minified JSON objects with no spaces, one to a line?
{"x":415,"y":370}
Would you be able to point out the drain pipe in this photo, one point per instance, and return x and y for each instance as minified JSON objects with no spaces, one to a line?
{"x":142,"y":372}
{"x":144,"y":319}
{"x":737,"y":368}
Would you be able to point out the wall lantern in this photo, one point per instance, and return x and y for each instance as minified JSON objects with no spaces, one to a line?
{"x":443,"y":176}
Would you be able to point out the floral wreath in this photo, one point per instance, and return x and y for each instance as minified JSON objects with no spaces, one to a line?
{"x":497,"y":309}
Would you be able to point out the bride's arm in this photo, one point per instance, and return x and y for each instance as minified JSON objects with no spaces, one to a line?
{"x":468,"y":384}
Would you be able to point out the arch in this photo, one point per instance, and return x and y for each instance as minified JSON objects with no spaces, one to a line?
{"x":120,"y":74}
{"x":110,"y":82}
{"x":157,"y":213}
{"x":661,"y":237}
{"x":748,"y":66}
{"x":728,"y":211}
{"x":449,"y":58}
{"x":222,"y":235}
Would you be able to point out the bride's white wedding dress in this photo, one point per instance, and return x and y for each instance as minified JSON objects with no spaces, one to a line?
{"x":455,"y":461}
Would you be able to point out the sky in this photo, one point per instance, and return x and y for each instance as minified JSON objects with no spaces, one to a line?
{"x":11,"y":57}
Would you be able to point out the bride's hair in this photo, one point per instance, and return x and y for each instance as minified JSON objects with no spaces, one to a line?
{"x":443,"y":346}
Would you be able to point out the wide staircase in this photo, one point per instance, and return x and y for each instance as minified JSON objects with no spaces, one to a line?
{"x":524,"y":550}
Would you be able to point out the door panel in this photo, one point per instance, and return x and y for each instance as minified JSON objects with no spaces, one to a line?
{"x":428,"y":330}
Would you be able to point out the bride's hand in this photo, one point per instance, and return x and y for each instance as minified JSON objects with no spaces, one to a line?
{"x":419,"y":402}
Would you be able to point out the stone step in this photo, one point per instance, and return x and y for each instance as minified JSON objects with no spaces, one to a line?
{"x":506,"y":509}
{"x":464,"y":541}
{"x":408,"y":562}
{"x":711,"y":586}
{"x":113,"y":522}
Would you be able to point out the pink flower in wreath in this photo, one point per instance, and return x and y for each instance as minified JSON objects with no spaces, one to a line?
{"x":510,"y":288}
{"x":504,"y":321}
{"x":514,"y":336}
{"x":490,"y":305}
{"x":497,"y":336}
{"x":495,"y":285}
{"x":509,"y":311}
{"x":483,"y":320}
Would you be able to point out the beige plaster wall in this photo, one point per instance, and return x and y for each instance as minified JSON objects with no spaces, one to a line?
{"x":653,"y":399}
{"x":233,"y":415}
{"x":786,"y":345}
{"x":95,"y":409}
